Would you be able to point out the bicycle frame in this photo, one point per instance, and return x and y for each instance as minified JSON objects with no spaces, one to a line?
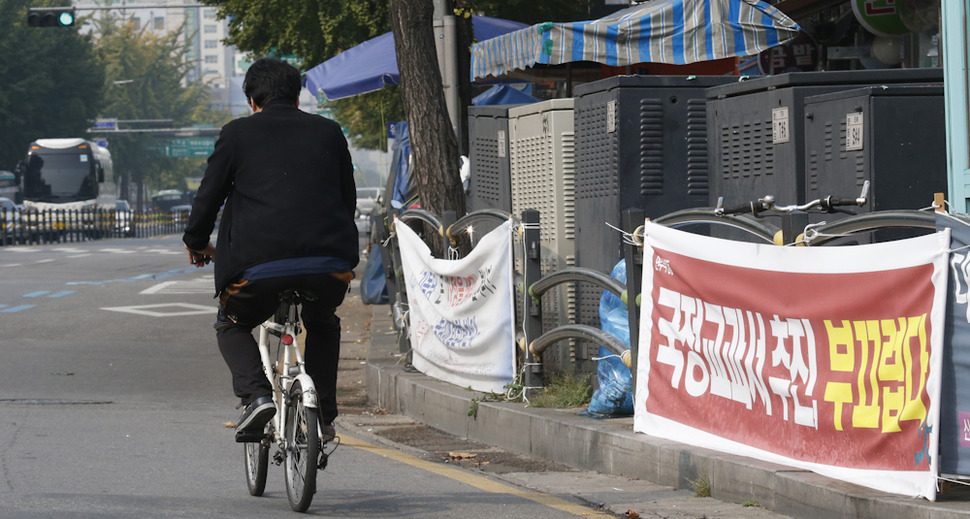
{"x":289,"y":366}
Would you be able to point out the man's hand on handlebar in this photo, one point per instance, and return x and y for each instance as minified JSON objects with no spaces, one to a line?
{"x":201,"y":258}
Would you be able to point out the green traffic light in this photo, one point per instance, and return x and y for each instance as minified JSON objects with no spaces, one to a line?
{"x":50,"y":16}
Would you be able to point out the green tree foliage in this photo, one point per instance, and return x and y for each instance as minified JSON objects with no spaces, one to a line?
{"x":313,"y":30}
{"x":51,"y":82}
{"x":145,"y":81}
{"x":317,"y":30}
{"x":366,"y":116}
{"x":529,"y":11}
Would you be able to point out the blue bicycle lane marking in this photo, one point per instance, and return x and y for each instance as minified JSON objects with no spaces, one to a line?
{"x":4,"y":308}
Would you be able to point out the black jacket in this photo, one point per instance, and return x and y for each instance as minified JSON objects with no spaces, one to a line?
{"x":287,"y":180}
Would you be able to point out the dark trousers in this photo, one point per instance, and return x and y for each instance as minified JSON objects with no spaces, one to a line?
{"x":245,"y":304}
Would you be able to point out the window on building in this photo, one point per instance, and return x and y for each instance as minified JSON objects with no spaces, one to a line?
{"x":210,"y":28}
{"x":159,"y":23}
{"x":211,"y":44}
{"x":212,"y":59}
{"x":209,"y":14}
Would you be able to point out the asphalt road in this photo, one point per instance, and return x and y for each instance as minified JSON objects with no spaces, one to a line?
{"x":114,"y":403}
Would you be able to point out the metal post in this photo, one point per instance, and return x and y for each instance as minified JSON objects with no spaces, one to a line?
{"x":531,"y":272}
{"x":445,"y":42}
{"x":631,"y":220}
{"x":401,"y":300}
{"x":386,"y":260}
{"x":792,"y":225}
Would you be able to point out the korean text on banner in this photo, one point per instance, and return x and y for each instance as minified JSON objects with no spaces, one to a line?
{"x":461,"y":327}
{"x":826,"y":359}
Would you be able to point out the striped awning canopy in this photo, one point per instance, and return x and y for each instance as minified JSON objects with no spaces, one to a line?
{"x":657,"y":31}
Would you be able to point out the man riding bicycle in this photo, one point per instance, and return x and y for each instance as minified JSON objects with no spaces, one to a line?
{"x":286,"y":179}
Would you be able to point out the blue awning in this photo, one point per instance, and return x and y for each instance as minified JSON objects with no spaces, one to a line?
{"x":373,"y":64}
{"x":503,"y":95}
{"x":658,"y":31}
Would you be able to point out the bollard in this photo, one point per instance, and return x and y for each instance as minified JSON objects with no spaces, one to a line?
{"x":793,"y":225}
{"x":531,"y":272}
{"x":633,"y":219}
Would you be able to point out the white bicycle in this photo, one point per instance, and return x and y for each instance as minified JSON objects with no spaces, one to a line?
{"x":295,"y":429}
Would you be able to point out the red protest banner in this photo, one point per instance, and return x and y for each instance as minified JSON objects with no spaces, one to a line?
{"x":816,"y":357}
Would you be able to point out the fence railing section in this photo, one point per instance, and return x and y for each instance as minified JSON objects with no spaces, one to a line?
{"x":65,"y":226}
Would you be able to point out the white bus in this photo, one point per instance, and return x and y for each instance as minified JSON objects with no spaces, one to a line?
{"x":67,"y":174}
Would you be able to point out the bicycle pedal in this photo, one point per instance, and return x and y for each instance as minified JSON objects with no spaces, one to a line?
{"x":278,"y":458}
{"x":323,"y":461}
{"x":249,"y":436}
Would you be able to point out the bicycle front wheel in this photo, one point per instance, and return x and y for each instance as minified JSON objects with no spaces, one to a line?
{"x":257,"y":462}
{"x":302,"y":450}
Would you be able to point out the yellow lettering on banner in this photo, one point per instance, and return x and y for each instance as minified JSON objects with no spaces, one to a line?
{"x":841,"y":346}
{"x":893,"y":364}
{"x":891,"y":369}
{"x":866,"y":412}
{"x":916,"y":336}
{"x":840,"y":394}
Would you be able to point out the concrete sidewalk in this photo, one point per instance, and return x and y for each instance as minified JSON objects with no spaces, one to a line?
{"x":611,"y":447}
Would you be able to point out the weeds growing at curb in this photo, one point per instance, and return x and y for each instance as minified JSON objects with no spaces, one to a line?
{"x":564,"y":391}
{"x":561,"y":391}
{"x":702,"y":487}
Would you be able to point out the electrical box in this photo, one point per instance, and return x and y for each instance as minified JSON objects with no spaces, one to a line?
{"x":542,"y":165}
{"x":756,"y":129}
{"x":894,"y":136}
{"x":641,"y":142}
{"x":490,"y":182}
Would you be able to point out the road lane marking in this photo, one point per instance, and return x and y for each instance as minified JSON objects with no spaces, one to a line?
{"x":155,"y":289}
{"x":162,"y":275}
{"x":201,"y":285}
{"x":13,"y":309}
{"x":62,"y":293}
{"x":164,"y":309}
{"x":479,"y":482}
{"x":38,"y":293}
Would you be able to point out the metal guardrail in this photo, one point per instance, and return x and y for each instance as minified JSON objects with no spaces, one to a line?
{"x":66,"y":226}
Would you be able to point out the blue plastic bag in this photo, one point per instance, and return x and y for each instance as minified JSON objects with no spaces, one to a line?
{"x":614,"y":397}
{"x":373,"y":287}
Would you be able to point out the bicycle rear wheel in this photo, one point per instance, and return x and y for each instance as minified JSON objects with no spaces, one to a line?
{"x":257,"y":462}
{"x":302,"y":450}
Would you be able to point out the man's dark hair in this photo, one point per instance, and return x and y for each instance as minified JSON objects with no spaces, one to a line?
{"x":270,"y":78}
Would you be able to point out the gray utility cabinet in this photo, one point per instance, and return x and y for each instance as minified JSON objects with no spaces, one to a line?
{"x":893,"y":136}
{"x":756,"y":127}
{"x":490,"y":184}
{"x":641,"y":142}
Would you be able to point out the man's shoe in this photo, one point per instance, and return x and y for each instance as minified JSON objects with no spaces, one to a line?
{"x":327,"y":432}
{"x":252,"y":423}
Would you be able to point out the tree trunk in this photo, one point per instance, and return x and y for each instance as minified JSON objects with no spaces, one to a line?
{"x":434,"y":146}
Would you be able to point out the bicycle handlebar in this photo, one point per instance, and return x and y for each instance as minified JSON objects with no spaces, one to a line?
{"x":825,"y":205}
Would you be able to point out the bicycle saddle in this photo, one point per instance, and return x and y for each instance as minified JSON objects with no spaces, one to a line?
{"x":296,"y":296}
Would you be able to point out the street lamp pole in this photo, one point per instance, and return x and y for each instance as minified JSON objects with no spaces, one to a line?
{"x":446,"y":45}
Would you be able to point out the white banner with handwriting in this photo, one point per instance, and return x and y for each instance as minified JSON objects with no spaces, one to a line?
{"x":461,"y":311}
